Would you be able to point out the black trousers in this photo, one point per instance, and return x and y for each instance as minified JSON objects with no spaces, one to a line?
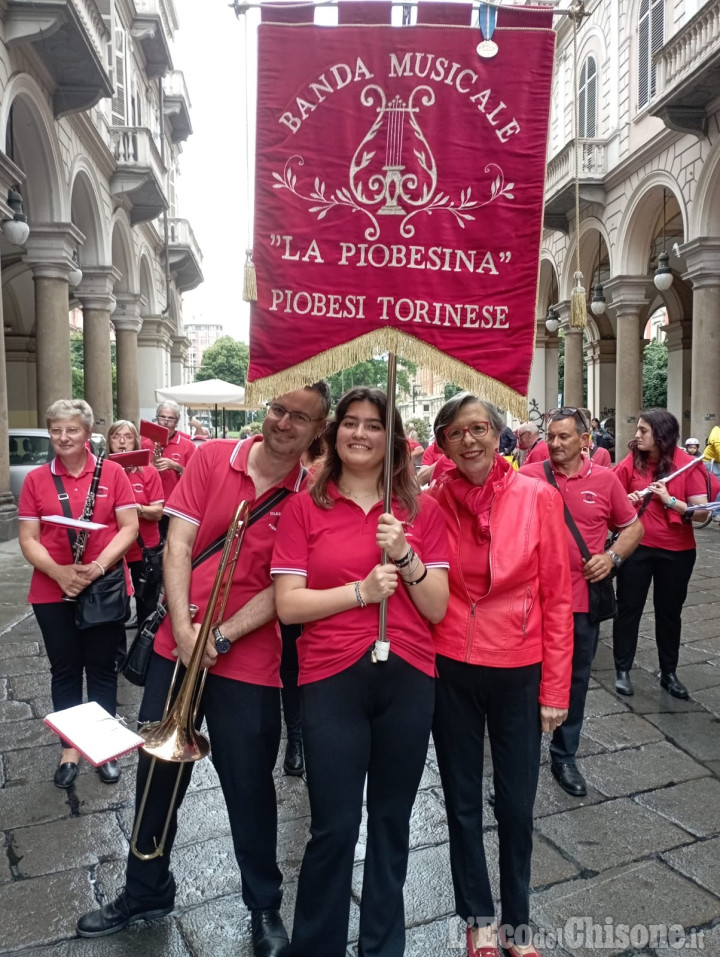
{"x":74,"y":653}
{"x":506,"y":699}
{"x":243,"y":722}
{"x":669,"y":573}
{"x":566,"y":738}
{"x":289,"y":670}
{"x":370,"y":720}
{"x":146,"y":604}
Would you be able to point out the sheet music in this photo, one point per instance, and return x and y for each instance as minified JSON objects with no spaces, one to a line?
{"x":95,"y":733}
{"x":71,"y":522}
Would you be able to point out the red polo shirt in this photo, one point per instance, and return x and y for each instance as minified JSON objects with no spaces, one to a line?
{"x":147,"y":488}
{"x":39,"y":497}
{"x":538,"y":453}
{"x":331,"y":547}
{"x":214,"y":484}
{"x":431,"y":454}
{"x":180,"y":449}
{"x":597,"y":501}
{"x":664,"y":527}
{"x":601,"y":456}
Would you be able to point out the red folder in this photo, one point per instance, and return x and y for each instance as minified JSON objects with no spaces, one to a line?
{"x":151,"y":430}
{"x":130,"y":460}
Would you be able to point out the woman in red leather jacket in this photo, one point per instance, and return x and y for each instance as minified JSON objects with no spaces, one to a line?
{"x":504,"y":655}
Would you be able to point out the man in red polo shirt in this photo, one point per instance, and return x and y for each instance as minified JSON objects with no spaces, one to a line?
{"x":531,"y":444}
{"x":241,"y":701}
{"x":176,"y":453}
{"x":597,"y":502}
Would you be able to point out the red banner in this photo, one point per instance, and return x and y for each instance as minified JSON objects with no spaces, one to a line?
{"x":400,"y":177}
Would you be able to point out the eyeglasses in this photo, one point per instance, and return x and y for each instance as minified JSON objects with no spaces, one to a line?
{"x":72,"y":432}
{"x":567,"y":411}
{"x":167,"y":418}
{"x":477,"y":430}
{"x":277,"y":411}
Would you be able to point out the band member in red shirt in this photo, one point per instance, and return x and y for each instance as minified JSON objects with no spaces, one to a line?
{"x":241,"y":701}
{"x":174,"y":456}
{"x":75,"y":653}
{"x":361,"y":717}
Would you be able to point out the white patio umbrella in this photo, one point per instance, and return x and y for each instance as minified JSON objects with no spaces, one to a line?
{"x":209,"y":394}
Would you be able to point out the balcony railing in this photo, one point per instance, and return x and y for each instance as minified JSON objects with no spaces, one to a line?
{"x":697,"y":43}
{"x":180,"y":234}
{"x":561,"y":169}
{"x":174,"y":85}
{"x":135,"y":146}
{"x":185,"y":257}
{"x":165,"y":9}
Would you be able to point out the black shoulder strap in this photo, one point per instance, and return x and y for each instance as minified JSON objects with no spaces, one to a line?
{"x":255,"y":515}
{"x":593,"y":450}
{"x":569,"y":520}
{"x":65,"y":505}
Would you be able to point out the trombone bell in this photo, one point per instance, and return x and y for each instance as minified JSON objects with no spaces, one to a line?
{"x":168,"y":741}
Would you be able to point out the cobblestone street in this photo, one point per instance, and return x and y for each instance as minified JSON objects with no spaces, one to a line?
{"x":642,"y":849}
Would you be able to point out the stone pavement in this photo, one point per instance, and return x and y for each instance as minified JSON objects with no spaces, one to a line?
{"x":642,"y":849}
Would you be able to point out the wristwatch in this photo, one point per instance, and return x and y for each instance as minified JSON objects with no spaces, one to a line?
{"x":222,"y":644}
{"x":616,"y":560}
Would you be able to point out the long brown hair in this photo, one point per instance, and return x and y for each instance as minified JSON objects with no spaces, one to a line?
{"x":404,"y":487}
{"x":665,"y":433}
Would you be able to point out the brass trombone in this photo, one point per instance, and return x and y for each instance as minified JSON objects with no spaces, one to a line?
{"x":175,"y":737}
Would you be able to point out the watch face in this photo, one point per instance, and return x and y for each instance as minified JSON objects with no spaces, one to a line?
{"x":222,"y":644}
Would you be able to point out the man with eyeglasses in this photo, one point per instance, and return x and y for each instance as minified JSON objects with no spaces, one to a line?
{"x":241,"y":700}
{"x":177,"y":451}
{"x":597,"y":502}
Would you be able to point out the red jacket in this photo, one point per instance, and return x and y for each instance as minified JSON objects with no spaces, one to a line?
{"x":526,"y":616}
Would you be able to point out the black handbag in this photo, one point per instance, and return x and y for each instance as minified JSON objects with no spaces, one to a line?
{"x":152,"y":570}
{"x":602,"y":601}
{"x":137,"y":660}
{"x":105,"y":600}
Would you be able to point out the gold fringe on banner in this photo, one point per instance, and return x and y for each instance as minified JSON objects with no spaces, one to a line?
{"x":578,"y":304}
{"x":250,"y":279}
{"x":377,"y":343}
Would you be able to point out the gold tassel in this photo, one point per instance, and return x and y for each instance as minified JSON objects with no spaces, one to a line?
{"x":578,"y":306}
{"x":250,"y":279}
{"x":376,"y":343}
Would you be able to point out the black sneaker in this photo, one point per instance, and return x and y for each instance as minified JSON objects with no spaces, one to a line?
{"x":116,"y":916}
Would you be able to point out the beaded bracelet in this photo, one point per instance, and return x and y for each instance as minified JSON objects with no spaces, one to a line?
{"x":358,"y":595}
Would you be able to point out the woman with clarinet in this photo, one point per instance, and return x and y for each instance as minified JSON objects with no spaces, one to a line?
{"x":67,"y":560}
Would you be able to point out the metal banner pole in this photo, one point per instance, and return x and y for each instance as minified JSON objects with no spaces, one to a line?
{"x":382,"y":645}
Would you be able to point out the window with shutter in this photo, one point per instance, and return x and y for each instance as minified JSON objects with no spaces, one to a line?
{"x":588,"y":99}
{"x":651,"y":32}
{"x":119,"y":106}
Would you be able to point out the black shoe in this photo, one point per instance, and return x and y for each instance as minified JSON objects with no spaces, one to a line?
{"x":109,"y":772}
{"x":669,"y":681}
{"x":569,"y":779}
{"x":294,"y":763}
{"x":623,"y":684}
{"x":116,"y":916}
{"x":65,"y":774}
{"x":269,"y":936}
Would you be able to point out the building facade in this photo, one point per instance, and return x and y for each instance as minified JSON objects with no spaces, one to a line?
{"x":200,"y":335}
{"x":93,"y":116}
{"x":648,"y":157}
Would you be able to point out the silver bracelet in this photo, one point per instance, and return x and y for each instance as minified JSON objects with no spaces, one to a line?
{"x":358,"y":595}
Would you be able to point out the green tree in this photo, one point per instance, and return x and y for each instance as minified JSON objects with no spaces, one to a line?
{"x":227,"y":359}
{"x":450,"y":390}
{"x":371,"y":373}
{"x":655,"y":362}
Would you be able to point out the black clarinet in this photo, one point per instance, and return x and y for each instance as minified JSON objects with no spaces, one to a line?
{"x":87,"y":513}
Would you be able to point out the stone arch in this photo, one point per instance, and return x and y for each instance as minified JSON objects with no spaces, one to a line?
{"x":705,"y":216}
{"x":35,"y":150}
{"x":147,"y":287}
{"x":639,"y":220}
{"x":85,"y":210}
{"x":122,"y":254}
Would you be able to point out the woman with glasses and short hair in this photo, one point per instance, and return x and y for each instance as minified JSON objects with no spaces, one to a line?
{"x":75,"y":653}
{"x":361,"y":717}
{"x":666,"y":556}
{"x":504,"y":656}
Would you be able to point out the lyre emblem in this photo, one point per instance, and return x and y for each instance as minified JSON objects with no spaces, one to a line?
{"x":408,"y":175}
